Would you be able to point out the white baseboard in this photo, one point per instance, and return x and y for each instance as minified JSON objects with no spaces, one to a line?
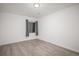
{"x":17,"y":40}
{"x":70,"y":49}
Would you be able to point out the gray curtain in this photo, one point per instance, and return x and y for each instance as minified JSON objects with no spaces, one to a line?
{"x":27,"y":30}
{"x":36,"y":27}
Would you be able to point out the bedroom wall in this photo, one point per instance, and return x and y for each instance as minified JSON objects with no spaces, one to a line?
{"x":61,"y":28}
{"x":13,"y":28}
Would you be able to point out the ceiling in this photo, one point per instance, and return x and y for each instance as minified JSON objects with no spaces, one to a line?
{"x":27,"y":9}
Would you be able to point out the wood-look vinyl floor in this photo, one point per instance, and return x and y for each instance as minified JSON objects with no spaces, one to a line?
{"x":34,"y":47}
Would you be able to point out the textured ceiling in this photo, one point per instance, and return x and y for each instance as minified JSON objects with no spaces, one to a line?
{"x":27,"y":9}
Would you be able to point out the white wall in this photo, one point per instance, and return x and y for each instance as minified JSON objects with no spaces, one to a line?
{"x":13,"y":28}
{"x":61,"y":28}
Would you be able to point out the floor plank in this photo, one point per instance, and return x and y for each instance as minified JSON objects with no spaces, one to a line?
{"x":34,"y":47}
